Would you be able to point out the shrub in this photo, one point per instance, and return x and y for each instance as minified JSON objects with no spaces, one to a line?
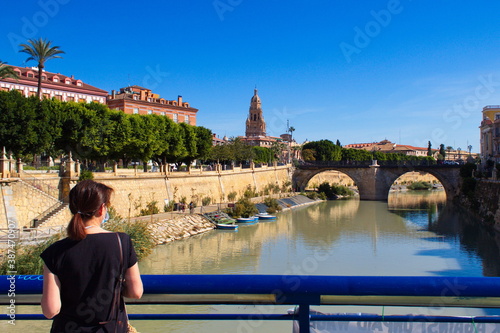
{"x":150,"y":209}
{"x":168,"y":207}
{"x":417,"y":186}
{"x":467,"y":169}
{"x":250,"y":192}
{"x":244,"y":208}
{"x":206,"y":201}
{"x":85,"y":174}
{"x":468,"y":186}
{"x":231,"y":196}
{"x":28,"y":261}
{"x":273,"y":205}
{"x":141,"y":236}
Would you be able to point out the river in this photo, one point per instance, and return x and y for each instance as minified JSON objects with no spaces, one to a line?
{"x":413,"y":234}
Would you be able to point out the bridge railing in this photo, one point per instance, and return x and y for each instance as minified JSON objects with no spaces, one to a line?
{"x":300,"y":291}
{"x":366,"y":164}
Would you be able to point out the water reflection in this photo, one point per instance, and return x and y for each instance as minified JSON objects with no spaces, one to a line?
{"x":410,"y":235}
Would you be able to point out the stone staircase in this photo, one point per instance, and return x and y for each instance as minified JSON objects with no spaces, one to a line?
{"x":52,"y":214}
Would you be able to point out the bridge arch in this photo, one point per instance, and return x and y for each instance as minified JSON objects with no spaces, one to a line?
{"x":374,"y":182}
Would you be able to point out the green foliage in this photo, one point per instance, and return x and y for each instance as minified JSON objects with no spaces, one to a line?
{"x":468,"y":186}
{"x":332,"y":191}
{"x":467,"y":169}
{"x":139,"y":232}
{"x":27,"y":257}
{"x":85,"y":174}
{"x":324,"y":150}
{"x":418,"y":186}
{"x":250,"y":192}
{"x":262,"y":154}
{"x":308,"y":154}
{"x":151,"y":208}
{"x":244,"y":208}
{"x":206,"y":201}
{"x":273,"y":205}
{"x":442,"y":151}
{"x":312,"y":195}
{"x":232,"y":196}
{"x":168,"y":207}
{"x":91,"y":131}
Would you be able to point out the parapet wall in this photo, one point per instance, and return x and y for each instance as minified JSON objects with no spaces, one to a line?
{"x":26,"y":199}
{"x":132,"y":193}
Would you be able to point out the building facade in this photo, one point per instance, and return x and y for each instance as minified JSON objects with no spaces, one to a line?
{"x":490,"y":133}
{"x":54,"y":85}
{"x":386,"y":146}
{"x":139,"y":100}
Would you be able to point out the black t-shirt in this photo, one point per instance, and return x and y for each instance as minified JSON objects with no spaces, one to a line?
{"x":87,"y":270}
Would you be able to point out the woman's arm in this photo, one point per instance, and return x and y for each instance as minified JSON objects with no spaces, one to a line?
{"x":133,"y":283}
{"x":51,"y":297}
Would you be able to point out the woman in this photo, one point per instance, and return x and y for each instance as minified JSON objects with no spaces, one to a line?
{"x":80,"y":272}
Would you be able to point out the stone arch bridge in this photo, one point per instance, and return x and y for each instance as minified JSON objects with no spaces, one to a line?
{"x":373,"y":180}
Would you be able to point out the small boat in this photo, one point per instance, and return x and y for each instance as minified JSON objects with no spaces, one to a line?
{"x":266,"y":217}
{"x":247,"y":220}
{"x":227,"y":226}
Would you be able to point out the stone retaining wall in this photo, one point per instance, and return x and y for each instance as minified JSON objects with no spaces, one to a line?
{"x":485,"y":202}
{"x":134,"y":191}
{"x":184,"y":226}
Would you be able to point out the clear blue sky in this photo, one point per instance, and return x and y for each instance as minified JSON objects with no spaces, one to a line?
{"x":359,"y":71}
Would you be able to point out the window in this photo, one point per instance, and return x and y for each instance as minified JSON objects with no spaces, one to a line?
{"x":497,"y":116}
{"x":55,"y":79}
{"x":162,"y":113}
{"x":32,"y":93}
{"x":46,"y":96}
{"x":150,"y":111}
{"x":59,"y":97}
{"x":135,"y":111}
{"x":44,"y":77}
{"x":186,"y":119}
{"x":82,"y":100}
{"x":70,"y":99}
{"x":175,"y":117}
{"x":30,"y":75}
{"x":67,"y":81}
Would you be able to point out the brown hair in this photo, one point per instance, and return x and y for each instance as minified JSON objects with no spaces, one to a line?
{"x":85,"y":199}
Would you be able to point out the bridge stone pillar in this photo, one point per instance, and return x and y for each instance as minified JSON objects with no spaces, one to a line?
{"x":371,"y":184}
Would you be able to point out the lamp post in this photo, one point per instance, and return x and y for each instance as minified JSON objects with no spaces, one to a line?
{"x":470,"y":148}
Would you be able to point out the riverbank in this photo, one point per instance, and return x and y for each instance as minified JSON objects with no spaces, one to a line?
{"x":168,"y":227}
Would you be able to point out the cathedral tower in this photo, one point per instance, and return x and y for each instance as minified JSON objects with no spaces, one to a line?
{"x":256,"y":126}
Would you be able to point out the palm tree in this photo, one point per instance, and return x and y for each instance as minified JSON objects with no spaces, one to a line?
{"x":7,"y":71}
{"x":40,"y":50}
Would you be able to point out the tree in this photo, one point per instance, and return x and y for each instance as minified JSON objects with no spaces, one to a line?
{"x":325,"y":150}
{"x":291,"y":129}
{"x":40,"y":51}
{"x":429,"y":149}
{"x":338,"y":143}
{"x":7,"y":71}
{"x":442,"y":151}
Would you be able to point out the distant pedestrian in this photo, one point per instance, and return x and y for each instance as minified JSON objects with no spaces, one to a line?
{"x":191,"y":208}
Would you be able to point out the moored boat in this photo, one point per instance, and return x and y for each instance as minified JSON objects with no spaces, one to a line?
{"x":227,"y":226}
{"x":266,"y":217}
{"x":247,"y":220}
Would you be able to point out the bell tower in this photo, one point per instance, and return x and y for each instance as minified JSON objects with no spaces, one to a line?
{"x":256,"y":126}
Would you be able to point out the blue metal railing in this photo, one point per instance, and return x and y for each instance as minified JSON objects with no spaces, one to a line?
{"x":302,"y":291}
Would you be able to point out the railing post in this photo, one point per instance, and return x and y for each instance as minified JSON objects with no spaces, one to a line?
{"x":304,"y":319}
